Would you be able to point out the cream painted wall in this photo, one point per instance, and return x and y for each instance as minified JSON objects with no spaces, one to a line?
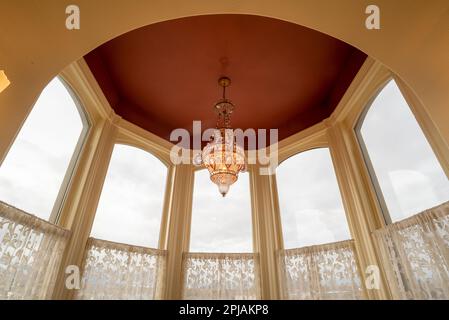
{"x":35,"y":45}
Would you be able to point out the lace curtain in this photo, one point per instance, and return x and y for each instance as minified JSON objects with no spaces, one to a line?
{"x":415,"y":252}
{"x":30,"y":254}
{"x":221,"y":276}
{"x":120,"y":271}
{"x":322,"y":272}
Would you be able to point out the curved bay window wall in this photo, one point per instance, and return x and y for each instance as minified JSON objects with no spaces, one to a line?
{"x":412,"y":189}
{"x":220,"y":264}
{"x":33,"y":181}
{"x":319,"y":262}
{"x":122,"y":261}
{"x":143,"y":198}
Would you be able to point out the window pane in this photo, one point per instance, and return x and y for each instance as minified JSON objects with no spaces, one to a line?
{"x":409,"y":175}
{"x":34,"y":169}
{"x":130,"y":207}
{"x":309,"y":199}
{"x":221,"y":224}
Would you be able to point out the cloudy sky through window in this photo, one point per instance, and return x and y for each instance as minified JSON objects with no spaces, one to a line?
{"x":130,"y":207}
{"x":408,"y":172}
{"x":221,"y":224}
{"x":32,"y":172}
{"x":309,"y":199}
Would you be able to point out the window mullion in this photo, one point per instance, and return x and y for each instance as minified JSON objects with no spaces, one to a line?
{"x":81,"y":204}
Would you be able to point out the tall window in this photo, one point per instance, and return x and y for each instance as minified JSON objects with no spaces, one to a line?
{"x":309,"y":199}
{"x":403,"y":166}
{"x":221,"y":224}
{"x":130,"y":206}
{"x":33,"y":174}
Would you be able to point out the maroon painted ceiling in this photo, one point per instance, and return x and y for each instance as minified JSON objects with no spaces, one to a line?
{"x":164,"y":76}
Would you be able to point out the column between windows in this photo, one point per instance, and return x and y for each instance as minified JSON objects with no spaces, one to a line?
{"x":359,"y":201}
{"x":267,"y":232}
{"x":175,"y":236}
{"x":80,"y":206}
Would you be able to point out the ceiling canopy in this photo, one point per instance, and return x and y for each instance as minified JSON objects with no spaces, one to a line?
{"x":284,"y":76}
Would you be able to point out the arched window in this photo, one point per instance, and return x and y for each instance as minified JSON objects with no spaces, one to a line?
{"x":221,"y":224}
{"x":130,"y":205}
{"x":34,"y":174}
{"x":403,"y":167}
{"x":309,"y":199}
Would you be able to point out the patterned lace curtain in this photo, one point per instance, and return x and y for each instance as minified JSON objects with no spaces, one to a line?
{"x":120,"y":271}
{"x":322,"y":272}
{"x":30,"y":254}
{"x":221,"y":276}
{"x":415,"y":255}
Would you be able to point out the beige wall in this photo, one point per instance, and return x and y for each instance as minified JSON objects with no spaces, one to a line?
{"x":35,"y":45}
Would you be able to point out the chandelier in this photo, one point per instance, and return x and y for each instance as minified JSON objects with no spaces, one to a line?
{"x":223,"y":158}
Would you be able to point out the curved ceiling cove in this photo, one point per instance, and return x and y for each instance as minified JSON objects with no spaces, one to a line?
{"x":284,"y":76}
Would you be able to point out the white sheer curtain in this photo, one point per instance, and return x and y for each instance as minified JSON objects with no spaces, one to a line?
{"x":221,"y":276}
{"x":119,"y":271}
{"x":30,"y":254}
{"x":415,"y":254}
{"x":321,"y":272}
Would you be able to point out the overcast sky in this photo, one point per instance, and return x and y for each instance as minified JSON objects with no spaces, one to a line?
{"x":131,"y":203}
{"x":408,"y":172}
{"x":34,"y":168}
{"x":221,"y":224}
{"x":310,"y":203}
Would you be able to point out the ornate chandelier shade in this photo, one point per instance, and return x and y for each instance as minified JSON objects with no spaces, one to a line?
{"x":222,"y":156}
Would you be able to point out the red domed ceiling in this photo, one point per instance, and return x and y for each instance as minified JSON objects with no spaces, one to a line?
{"x":164,"y":76}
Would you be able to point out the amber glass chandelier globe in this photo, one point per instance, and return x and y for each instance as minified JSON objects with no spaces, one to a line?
{"x":224,"y":159}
